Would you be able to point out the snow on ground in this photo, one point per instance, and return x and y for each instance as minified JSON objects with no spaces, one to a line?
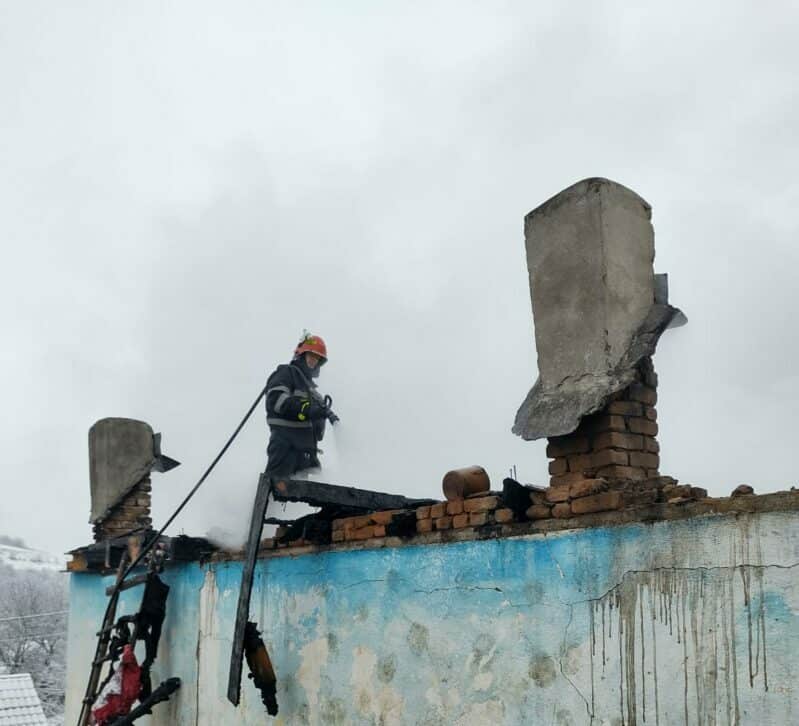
{"x":22,"y":558}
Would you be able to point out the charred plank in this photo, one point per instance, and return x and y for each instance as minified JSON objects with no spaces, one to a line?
{"x":319,"y":494}
{"x":243,"y":608}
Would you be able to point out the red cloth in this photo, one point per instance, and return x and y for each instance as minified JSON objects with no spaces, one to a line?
{"x":120,"y":692}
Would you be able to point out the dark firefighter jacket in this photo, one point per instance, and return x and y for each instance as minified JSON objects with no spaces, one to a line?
{"x":293,"y":439}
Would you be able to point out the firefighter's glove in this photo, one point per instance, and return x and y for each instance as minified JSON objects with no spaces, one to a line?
{"x":332,"y":417}
{"x":311,"y":411}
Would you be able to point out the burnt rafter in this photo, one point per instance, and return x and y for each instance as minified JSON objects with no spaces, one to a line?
{"x":319,"y":494}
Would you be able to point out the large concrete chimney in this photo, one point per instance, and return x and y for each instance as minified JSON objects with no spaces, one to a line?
{"x":599,"y":310}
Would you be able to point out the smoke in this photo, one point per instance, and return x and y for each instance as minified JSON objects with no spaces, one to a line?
{"x":339,"y":457}
{"x":226,"y":521}
{"x":223,"y":514}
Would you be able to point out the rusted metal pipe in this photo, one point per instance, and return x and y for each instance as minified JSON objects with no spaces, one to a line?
{"x":460,"y":483}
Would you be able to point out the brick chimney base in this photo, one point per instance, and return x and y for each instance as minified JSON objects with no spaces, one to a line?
{"x":617,"y":442}
{"x":132,"y":513}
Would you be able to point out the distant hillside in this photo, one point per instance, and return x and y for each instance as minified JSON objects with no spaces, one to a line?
{"x":24,"y":558}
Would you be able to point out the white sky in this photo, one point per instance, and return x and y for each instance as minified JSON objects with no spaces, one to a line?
{"x":187,"y":185}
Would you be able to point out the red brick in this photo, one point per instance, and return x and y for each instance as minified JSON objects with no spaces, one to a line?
{"x":361,"y":533}
{"x":267,"y":543}
{"x":625,"y":408}
{"x":438,"y":510}
{"x":338,"y":524}
{"x":483,"y":504}
{"x":580,"y":462}
{"x":643,"y":394}
{"x":455,"y":506}
{"x":606,"y":457}
{"x":357,"y":522}
{"x":562,"y":510}
{"x":651,"y":445}
{"x":423,"y":512}
{"x":616,"y":440}
{"x":677,"y":490}
{"x":128,"y":508}
{"x":567,"y":479}
{"x":538,"y":495}
{"x":558,"y":493}
{"x":459,"y":521}
{"x":621,"y":472}
{"x":539,"y":511}
{"x":663,"y":481}
{"x":598,"y":503}
{"x":504,"y":515}
{"x":633,"y":498}
{"x":607,"y":422}
{"x":424,"y":525}
{"x":642,"y":426}
{"x":380,"y":530}
{"x":587,"y":487}
{"x":338,"y":535}
{"x":565,"y":445}
{"x":644,"y":460}
{"x":384,"y":517}
{"x":478,"y":519}
{"x":558,"y":466}
{"x":652,"y":472}
{"x":442,"y":523}
{"x":650,"y":413}
{"x":698,"y":493}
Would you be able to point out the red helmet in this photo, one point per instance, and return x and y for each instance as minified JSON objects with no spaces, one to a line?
{"x":311,"y":344}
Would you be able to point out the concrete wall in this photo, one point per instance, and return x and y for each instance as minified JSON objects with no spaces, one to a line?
{"x":679,"y":622}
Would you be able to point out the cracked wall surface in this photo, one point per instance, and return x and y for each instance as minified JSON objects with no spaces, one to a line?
{"x":677,"y":622}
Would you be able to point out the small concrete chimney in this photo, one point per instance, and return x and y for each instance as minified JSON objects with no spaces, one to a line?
{"x":599,"y":310}
{"x":122,"y":453}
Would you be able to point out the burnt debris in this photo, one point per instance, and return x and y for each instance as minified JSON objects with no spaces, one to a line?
{"x":261,"y":673}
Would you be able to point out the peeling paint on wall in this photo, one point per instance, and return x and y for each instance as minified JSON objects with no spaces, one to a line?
{"x":683,"y":622}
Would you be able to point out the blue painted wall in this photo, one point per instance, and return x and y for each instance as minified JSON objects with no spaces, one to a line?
{"x":694,"y":621}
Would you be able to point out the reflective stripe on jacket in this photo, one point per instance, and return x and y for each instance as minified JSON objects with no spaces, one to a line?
{"x":287,"y":388}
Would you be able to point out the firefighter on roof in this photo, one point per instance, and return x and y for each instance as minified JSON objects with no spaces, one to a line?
{"x":295,"y":411}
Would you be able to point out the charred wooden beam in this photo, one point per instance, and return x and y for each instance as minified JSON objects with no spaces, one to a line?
{"x":243,"y":608}
{"x":319,"y":494}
